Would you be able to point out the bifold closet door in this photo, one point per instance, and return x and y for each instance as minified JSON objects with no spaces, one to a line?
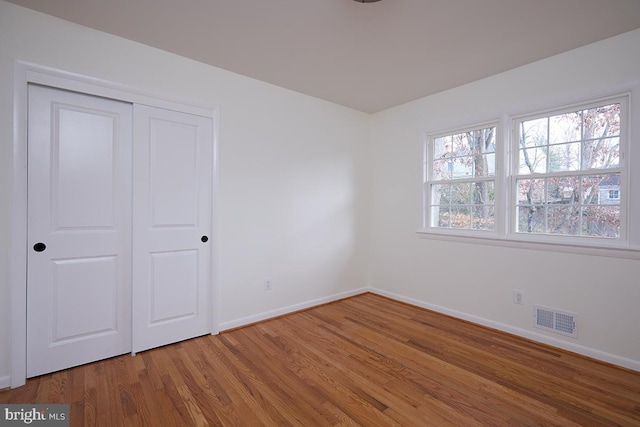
{"x":172,"y":180}
{"x":79,"y":229}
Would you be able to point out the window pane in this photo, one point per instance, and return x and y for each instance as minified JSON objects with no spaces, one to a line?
{"x":533,"y":160}
{"x":440,"y":194}
{"x":460,"y":217}
{"x":484,"y":193}
{"x":460,"y":193}
{"x":451,"y":194}
{"x":601,"y":221}
{"x":531,"y":191}
{"x":484,"y":165}
{"x":563,"y":220}
{"x":531,"y":219}
{"x":462,"y":145}
{"x":462,"y":167}
{"x":533,"y":133}
{"x":590,"y":190}
{"x":482,"y":140}
{"x":483,"y":217}
{"x":565,"y":128}
{"x":490,"y":160}
{"x":441,"y":169}
{"x":563,"y":191}
{"x":564,"y":157}
{"x":598,"y":189}
{"x":601,"y":122}
{"x":483,"y":201}
{"x":440,"y":216}
{"x":445,"y":216}
{"x":442,"y":147}
{"x":601,"y":154}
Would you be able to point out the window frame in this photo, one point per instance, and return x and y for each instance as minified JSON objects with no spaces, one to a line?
{"x":428,"y":148}
{"x":627,"y":246}
{"x":622,"y":169}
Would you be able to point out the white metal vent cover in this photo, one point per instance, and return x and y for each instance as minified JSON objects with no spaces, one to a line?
{"x":560,"y":322}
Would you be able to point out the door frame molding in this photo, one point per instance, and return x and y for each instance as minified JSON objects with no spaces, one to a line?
{"x":27,"y":73}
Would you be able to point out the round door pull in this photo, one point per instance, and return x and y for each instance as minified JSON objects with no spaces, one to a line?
{"x":39,"y":247}
{"x":204,"y":239}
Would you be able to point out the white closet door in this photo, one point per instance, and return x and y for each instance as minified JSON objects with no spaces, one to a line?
{"x":173,"y":158}
{"x":79,"y":229}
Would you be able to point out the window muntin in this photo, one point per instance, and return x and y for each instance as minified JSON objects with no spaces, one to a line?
{"x":569,"y":172}
{"x":461,"y":180}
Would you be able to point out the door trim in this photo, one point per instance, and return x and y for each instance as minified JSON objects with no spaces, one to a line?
{"x":27,"y":73}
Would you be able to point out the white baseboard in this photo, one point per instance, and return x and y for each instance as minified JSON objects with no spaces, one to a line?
{"x":533,"y":336}
{"x":5,"y":382}
{"x":243,"y":321}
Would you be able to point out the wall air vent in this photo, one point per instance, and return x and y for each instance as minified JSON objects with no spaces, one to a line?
{"x":556,"y":321}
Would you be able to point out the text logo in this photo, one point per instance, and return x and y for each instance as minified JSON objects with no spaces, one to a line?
{"x":34,"y":414}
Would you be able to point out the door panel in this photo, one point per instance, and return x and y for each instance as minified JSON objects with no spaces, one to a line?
{"x":79,"y":207}
{"x":77,"y":298}
{"x":76,"y":163}
{"x":168,"y":269}
{"x":172,"y":211}
{"x":173,"y":180}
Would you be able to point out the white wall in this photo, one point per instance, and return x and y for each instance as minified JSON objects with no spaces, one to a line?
{"x":476,"y":281}
{"x":290,"y":179}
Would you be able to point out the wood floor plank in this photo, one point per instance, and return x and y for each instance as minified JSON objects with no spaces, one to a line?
{"x":442,"y":387}
{"x":362,"y":361}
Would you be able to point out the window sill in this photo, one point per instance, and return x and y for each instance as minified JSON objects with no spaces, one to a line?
{"x":609,"y":250}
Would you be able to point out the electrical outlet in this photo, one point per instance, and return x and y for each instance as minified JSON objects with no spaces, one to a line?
{"x":518,"y":297}
{"x":267,"y":284}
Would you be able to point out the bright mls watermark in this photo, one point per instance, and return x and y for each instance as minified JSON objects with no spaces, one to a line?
{"x":34,"y":414}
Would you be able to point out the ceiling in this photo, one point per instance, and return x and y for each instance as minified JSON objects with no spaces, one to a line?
{"x":366,"y":56}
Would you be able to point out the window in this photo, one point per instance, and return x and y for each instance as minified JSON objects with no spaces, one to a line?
{"x":461,"y":179}
{"x":568,"y":173}
{"x":560,"y":178}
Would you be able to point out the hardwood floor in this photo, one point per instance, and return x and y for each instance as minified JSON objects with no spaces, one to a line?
{"x":366,"y":361}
